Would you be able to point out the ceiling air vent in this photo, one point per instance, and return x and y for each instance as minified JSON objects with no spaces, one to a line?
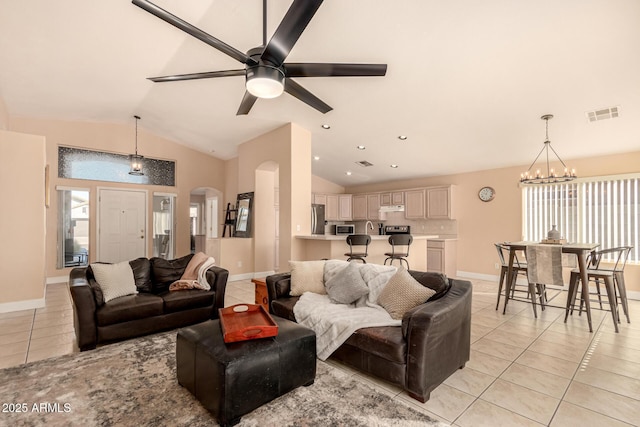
{"x":603,"y":114}
{"x":364,"y":163}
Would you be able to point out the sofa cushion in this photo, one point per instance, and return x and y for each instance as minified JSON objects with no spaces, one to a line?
{"x":166,"y":271}
{"x":186,"y":299}
{"x":142,"y":274}
{"x":127,"y":308}
{"x":115,"y":280}
{"x":402,"y":293}
{"x":436,"y":281}
{"x":347,"y":286}
{"x":386,"y":342}
{"x":283,"y":307}
{"x":307,"y":276}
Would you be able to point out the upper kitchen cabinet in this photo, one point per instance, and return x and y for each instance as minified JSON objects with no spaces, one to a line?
{"x":415,"y":204}
{"x":392,"y":198}
{"x":344,"y":207}
{"x":319,"y":199}
{"x":359,"y":206}
{"x":440,"y":202}
{"x":331,"y":208}
{"x":373,"y":206}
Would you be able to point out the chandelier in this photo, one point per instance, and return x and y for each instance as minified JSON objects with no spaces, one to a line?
{"x":551,"y":176}
{"x":135,"y":159}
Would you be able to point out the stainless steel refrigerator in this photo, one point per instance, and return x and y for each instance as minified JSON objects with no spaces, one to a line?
{"x":317,"y":219}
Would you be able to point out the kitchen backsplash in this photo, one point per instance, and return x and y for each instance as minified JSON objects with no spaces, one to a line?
{"x":448,"y":227}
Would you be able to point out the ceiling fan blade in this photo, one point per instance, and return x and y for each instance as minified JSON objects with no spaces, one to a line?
{"x":289,"y":30}
{"x":196,"y":76}
{"x":293,"y":88}
{"x":247,"y":102}
{"x":193,"y":31}
{"x":296,"y":69}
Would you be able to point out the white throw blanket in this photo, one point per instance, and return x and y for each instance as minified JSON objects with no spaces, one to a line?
{"x":334,"y":323}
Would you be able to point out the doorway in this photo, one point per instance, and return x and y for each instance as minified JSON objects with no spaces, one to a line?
{"x":164,"y":238}
{"x":122,"y":225}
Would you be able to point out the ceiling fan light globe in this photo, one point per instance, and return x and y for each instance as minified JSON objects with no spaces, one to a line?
{"x":265,"y":82}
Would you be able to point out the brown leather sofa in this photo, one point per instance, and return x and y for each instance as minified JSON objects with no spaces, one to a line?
{"x":154,"y":308}
{"x":432,"y":343}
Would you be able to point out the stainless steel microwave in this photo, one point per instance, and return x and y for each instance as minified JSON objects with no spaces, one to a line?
{"x":345,"y":229}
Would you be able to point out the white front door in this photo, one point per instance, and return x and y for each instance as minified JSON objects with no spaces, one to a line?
{"x":122,"y":226}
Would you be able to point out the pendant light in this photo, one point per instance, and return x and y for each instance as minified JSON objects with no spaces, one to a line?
{"x":135,"y":159}
{"x":551,"y":176}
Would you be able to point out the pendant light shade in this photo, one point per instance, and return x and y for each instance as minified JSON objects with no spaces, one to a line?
{"x":136,"y":160}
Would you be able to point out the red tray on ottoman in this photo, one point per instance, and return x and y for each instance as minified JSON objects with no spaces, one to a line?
{"x":243,"y":322}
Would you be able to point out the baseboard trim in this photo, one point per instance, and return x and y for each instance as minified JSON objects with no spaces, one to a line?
{"x":248,"y":276}
{"x":58,"y":279}
{"x":29,"y":304}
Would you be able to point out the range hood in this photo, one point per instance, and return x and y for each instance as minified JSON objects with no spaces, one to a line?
{"x":392,"y":208}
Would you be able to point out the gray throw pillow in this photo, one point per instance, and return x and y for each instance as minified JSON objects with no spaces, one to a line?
{"x":347,"y":286}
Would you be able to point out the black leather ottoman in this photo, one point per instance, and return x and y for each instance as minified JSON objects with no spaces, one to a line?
{"x":231,"y":380}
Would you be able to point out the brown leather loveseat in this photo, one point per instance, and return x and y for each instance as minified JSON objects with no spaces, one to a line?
{"x":432,"y":343}
{"x":154,"y":308}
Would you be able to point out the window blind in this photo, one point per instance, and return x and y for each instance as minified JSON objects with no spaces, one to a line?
{"x":603,"y":210}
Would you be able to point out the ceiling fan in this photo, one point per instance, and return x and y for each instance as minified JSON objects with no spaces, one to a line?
{"x":266,"y":73}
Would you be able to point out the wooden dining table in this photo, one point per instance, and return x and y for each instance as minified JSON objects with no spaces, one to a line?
{"x":581,"y":250}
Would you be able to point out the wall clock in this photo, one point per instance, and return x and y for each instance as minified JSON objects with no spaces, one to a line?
{"x":486,"y":194}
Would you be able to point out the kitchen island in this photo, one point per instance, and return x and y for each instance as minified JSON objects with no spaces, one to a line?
{"x":334,"y":247}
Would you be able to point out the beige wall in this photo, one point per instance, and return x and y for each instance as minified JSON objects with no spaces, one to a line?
{"x":22,"y":221}
{"x":290,"y":148}
{"x":193,"y":169}
{"x":4,"y":115}
{"x":321,"y":185}
{"x":482,"y":224}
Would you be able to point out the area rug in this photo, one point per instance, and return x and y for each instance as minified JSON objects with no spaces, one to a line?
{"x":134,"y":383}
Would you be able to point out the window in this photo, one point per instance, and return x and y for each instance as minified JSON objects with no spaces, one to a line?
{"x":73,"y":227}
{"x":603,"y":210}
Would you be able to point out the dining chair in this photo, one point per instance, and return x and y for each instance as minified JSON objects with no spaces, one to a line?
{"x":544,"y":267}
{"x":519,"y":268}
{"x":611,"y":276}
{"x":358,"y":240}
{"x":399,"y":240}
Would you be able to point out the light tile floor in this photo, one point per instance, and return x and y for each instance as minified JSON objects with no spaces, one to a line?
{"x":523,"y":371}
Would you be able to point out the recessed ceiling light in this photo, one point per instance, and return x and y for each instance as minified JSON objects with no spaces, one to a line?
{"x":402,"y":137}
{"x":326,"y":126}
{"x":316,"y":157}
{"x":361,"y":147}
{"x":348,"y":173}
{"x":394,"y":166}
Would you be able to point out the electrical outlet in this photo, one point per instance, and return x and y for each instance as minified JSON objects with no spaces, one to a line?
{"x":298,"y":227}
{"x":240,"y":264}
{"x":497,"y":266}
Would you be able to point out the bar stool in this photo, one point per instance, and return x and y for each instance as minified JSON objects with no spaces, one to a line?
{"x":399,"y":240}
{"x":613,"y":279}
{"x":358,"y":240}
{"x":519,"y":267}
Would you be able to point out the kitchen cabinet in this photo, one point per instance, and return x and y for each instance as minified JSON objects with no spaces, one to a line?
{"x":319,"y":199}
{"x":439,"y":202}
{"x":415,"y":204}
{"x":373,"y":206}
{"x":331,"y":208}
{"x":442,"y":256}
{"x":392,"y":198}
{"x":359,"y":207}
{"x":344,"y":207}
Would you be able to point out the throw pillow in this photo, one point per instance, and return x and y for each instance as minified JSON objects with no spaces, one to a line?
{"x":307,"y":276}
{"x":402,"y":293}
{"x":347,"y":286}
{"x":115,"y":280}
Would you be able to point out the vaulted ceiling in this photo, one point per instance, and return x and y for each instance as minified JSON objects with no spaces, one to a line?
{"x":467,"y":80}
